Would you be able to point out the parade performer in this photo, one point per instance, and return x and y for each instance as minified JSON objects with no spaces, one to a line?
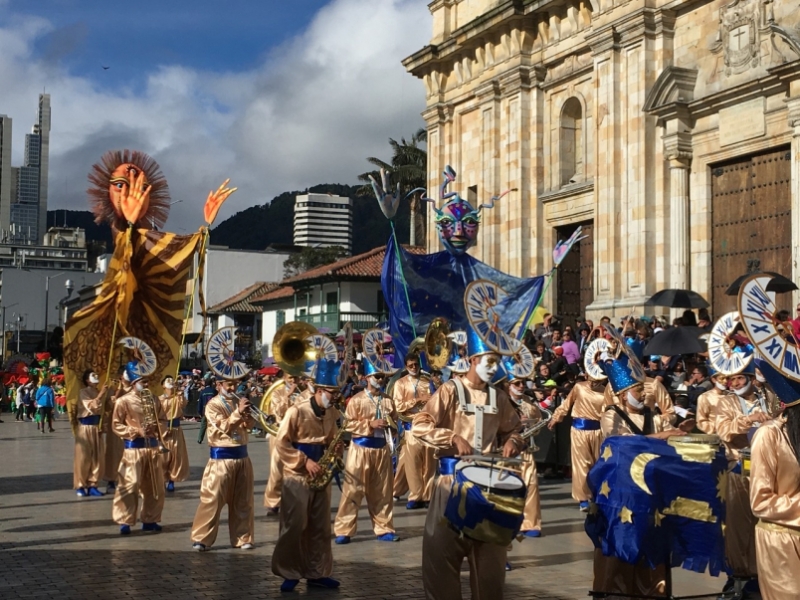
{"x":114,"y":446}
{"x":282,"y":398}
{"x":176,"y":461}
{"x":141,"y":470}
{"x":228,"y":476}
{"x":368,"y":469}
{"x":303,"y":549}
{"x":708,"y":402}
{"x":416,"y":461}
{"x":451,"y":424}
{"x":89,"y":447}
{"x":654,"y":395}
{"x":587,"y":402}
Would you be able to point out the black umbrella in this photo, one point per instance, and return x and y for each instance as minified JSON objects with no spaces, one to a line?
{"x":779,"y":283}
{"x":676,"y":340}
{"x":678,"y":299}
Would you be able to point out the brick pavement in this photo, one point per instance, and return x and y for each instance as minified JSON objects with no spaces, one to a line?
{"x":53,"y":544}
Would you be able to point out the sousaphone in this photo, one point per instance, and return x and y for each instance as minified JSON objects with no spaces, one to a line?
{"x":438,"y":344}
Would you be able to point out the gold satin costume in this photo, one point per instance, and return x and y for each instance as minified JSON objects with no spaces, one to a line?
{"x":176,"y":462}
{"x":416,"y":462}
{"x":89,"y":447}
{"x":303,"y":549}
{"x":612,"y":575}
{"x":443,"y":549}
{"x":655,"y":396}
{"x":141,"y":471}
{"x":740,"y":544}
{"x":532,"y":517}
{"x":367,"y":471}
{"x":707,"y":407}
{"x":281,"y":401}
{"x":114,"y":445}
{"x":775,"y":500}
{"x":587,"y":401}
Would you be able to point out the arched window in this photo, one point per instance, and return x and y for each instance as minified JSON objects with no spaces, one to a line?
{"x":571,"y":142}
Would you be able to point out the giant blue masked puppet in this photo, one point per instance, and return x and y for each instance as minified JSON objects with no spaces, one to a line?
{"x":418,"y":288}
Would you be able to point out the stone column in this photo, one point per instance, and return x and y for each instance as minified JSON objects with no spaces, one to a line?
{"x":793,"y":104}
{"x":678,"y":151}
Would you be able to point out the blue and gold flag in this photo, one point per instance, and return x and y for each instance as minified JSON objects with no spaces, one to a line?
{"x":659,"y":501}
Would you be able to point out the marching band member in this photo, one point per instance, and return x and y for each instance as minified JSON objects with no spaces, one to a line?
{"x":654,"y":395}
{"x":141,"y":472}
{"x":176,"y":462}
{"x":303,"y":549}
{"x":368,"y":470}
{"x":114,"y":445}
{"x":587,"y":402}
{"x":450,"y":423}
{"x":416,"y":461}
{"x":228,"y":476}
{"x":89,"y":447}
{"x":282,"y":399}
{"x":775,"y":493}
{"x":708,"y":402}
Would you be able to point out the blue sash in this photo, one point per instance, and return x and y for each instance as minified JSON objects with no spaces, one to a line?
{"x":447,"y":465}
{"x":312,"y":451}
{"x":585,"y":424}
{"x":406,"y":425}
{"x":175,"y":422}
{"x":231,"y":452}
{"x":90,"y":420}
{"x":370,"y":442}
{"x":140,"y":443}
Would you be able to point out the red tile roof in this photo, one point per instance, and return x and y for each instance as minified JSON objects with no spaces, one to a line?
{"x":280,"y":293}
{"x":242,"y":302}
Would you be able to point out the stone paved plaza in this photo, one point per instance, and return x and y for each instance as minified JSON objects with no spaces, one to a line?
{"x":53,"y":544}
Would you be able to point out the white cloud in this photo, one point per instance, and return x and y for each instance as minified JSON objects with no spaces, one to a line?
{"x":310,"y":113}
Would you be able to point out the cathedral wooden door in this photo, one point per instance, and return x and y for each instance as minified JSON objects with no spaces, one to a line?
{"x":575,"y":276}
{"x":751,"y":221}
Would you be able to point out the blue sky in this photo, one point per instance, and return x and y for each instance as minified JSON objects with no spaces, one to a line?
{"x":276,"y":95}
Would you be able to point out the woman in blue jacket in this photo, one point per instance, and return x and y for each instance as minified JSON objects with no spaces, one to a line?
{"x":45,"y":401}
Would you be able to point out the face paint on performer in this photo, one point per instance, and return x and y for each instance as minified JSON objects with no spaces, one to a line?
{"x":516,"y":388}
{"x":226,"y":388}
{"x":376,"y":381}
{"x":487,"y":367}
{"x":94,"y":379}
{"x":633,"y":398}
{"x":457,"y":223}
{"x":413,"y":368}
{"x":740,"y":384}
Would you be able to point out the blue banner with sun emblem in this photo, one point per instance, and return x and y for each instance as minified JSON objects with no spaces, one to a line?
{"x":433,"y":285}
{"x":659,"y":501}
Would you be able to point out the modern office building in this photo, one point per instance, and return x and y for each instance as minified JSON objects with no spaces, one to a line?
{"x":7,"y":173}
{"x":323,"y":220}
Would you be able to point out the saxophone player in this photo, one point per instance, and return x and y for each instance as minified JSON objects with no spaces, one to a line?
{"x":282,"y":399}
{"x":303,"y":549}
{"x":176,"y":461}
{"x":141,"y":471}
{"x":368,"y":470}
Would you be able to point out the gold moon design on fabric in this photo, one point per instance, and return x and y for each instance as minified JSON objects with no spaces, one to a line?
{"x":637,"y":470}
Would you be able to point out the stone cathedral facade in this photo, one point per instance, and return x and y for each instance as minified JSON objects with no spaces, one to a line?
{"x":669,"y":130}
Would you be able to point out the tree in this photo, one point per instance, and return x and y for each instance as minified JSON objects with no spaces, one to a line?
{"x":409,"y":168}
{"x":308,"y":258}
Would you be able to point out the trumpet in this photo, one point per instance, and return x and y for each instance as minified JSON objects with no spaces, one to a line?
{"x":254,"y":411}
{"x":149,"y":419}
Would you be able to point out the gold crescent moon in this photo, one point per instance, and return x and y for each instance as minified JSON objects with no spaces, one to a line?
{"x":637,"y":470}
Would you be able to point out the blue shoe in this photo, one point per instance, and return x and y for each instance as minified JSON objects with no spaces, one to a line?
{"x":288,"y":585}
{"x":342,"y":539}
{"x":584,"y":506}
{"x":81,"y":492}
{"x":171,"y":486}
{"x":532,"y":533}
{"x":389,"y":537}
{"x":151,"y":527}
{"x":93,"y":491}
{"x":508,"y":566}
{"x":326,"y":582}
{"x":415,"y":505}
{"x":124,"y":529}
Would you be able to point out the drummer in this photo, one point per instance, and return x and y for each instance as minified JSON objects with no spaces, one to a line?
{"x":654,"y":396}
{"x":708,"y":402}
{"x":451,"y":424}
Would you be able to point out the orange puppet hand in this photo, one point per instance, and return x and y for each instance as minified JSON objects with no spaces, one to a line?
{"x":135,"y":199}
{"x":215,"y":201}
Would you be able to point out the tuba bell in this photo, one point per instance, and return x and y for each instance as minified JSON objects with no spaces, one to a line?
{"x":292,"y":348}
{"x":267,"y":420}
{"x":437,"y":343}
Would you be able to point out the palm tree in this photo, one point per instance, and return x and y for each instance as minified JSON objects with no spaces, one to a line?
{"x":409,"y":168}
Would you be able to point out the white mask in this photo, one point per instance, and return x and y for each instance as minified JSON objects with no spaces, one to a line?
{"x":311,"y":387}
{"x":720,"y":386}
{"x":139,"y":386}
{"x":632,"y":401}
{"x":94,"y":379}
{"x":745,"y":390}
{"x":514,"y":392}
{"x":374,"y":383}
{"x":168,"y":385}
{"x":325,"y":399}
{"x":486,"y":371}
{"x":760,"y":378}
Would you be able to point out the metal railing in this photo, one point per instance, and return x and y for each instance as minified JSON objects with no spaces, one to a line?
{"x":333,"y":322}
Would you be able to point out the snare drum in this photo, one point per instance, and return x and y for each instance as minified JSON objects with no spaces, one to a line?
{"x":486,"y":503}
{"x":696,"y":447}
{"x":744,"y":461}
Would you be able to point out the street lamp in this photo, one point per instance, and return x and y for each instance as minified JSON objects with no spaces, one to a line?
{"x":3,"y":309}
{"x":47,"y":301}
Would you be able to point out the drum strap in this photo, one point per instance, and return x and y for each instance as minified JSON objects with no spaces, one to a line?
{"x":648,"y":420}
{"x":478,"y":410}
{"x":761,"y":402}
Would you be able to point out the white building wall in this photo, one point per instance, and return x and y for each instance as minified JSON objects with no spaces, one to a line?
{"x":269,"y":323}
{"x":360,"y":296}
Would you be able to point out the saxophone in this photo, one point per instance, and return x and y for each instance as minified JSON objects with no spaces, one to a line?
{"x":330,"y":463}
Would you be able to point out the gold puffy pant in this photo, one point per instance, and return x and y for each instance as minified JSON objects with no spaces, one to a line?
{"x":141,"y":473}
{"x":778,"y":553}
{"x":740,"y":524}
{"x":303,"y":549}
{"x":272,"y":493}
{"x":584,"y":450}
{"x":226,"y":481}
{"x":113,"y":455}
{"x":420,"y":469}
{"x":176,"y":463}
{"x":90,"y":451}
{"x":615,"y":576}
{"x":533,"y":507}
{"x":367,"y":472}
{"x":443,"y":551}
{"x":400,"y":486}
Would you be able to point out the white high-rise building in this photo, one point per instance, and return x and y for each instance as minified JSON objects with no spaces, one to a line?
{"x":323,"y":220}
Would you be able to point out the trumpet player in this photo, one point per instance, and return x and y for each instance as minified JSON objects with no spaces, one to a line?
{"x":141,"y":471}
{"x":282,"y":399}
{"x":368,"y":470}
{"x":89,"y":447}
{"x":303,"y":549}
{"x":708,"y":402}
{"x":176,"y":461}
{"x":228,"y":476}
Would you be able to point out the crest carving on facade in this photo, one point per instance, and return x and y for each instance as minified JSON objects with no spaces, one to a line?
{"x":742,"y":24}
